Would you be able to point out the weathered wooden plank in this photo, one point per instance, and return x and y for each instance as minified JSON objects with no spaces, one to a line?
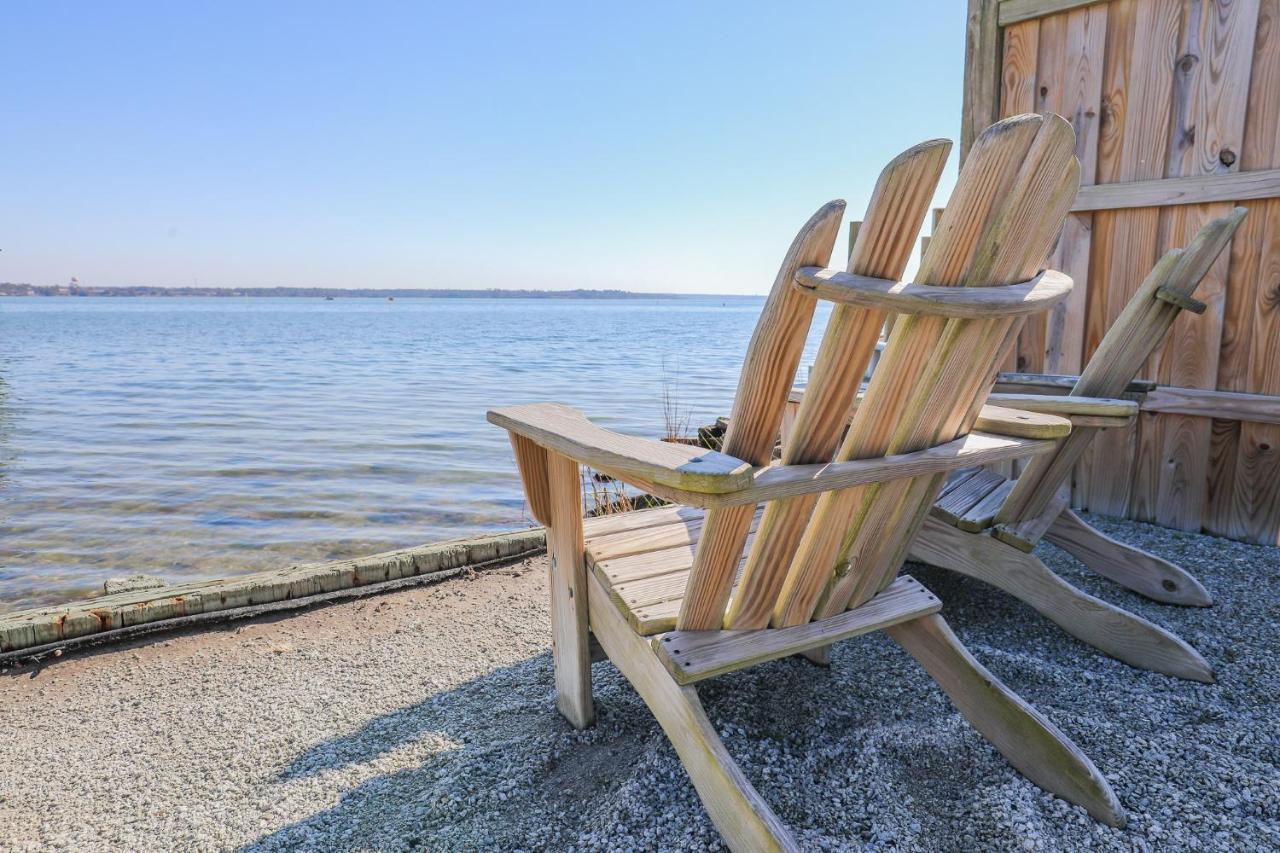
{"x":1081,"y":104}
{"x":665,"y":554}
{"x":929,"y":384}
{"x":1018,"y":77}
{"x":1015,"y":11}
{"x":569,"y":647}
{"x":1201,"y":402}
{"x":902,"y":194}
{"x":981,"y":96}
{"x":1140,"y":328}
{"x":1068,"y":405}
{"x":622,"y":522}
{"x":1050,"y":74}
{"x":1207,"y":137}
{"x":1191,"y":189}
{"x":568,"y":432}
{"x":1057,"y":384}
{"x":1255,"y":325}
{"x":1046,"y":289}
{"x":1132,"y":241}
{"x":1021,"y":423}
{"x":1018,"y":87}
{"x":1025,"y":533}
{"x":768,"y":373}
{"x":692,"y":656}
{"x":531,"y":460}
{"x":679,"y":531}
{"x":790,"y":481}
{"x":952,"y":507}
{"x":981,"y":515}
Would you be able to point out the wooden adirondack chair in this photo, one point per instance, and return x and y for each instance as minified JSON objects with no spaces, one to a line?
{"x":667,"y":593}
{"x":985,"y":525}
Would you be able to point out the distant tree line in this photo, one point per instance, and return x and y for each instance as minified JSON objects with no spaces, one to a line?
{"x":8,"y":289}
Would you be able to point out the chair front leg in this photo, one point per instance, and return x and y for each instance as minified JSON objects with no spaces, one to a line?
{"x":570,"y":649}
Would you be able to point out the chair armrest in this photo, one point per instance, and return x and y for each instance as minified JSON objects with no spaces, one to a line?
{"x":1055,"y":384}
{"x":1021,"y":422}
{"x":1081,"y":411}
{"x":639,"y":461}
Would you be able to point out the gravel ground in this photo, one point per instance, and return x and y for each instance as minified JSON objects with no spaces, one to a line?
{"x":422,"y":720}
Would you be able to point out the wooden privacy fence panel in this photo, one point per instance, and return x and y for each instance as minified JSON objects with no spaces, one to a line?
{"x":1176,"y":107}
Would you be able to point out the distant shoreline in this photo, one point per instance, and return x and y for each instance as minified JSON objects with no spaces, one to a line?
{"x":7,"y":289}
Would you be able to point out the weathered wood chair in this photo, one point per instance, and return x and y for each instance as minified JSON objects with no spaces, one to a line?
{"x":985,"y":525}
{"x":667,"y":592}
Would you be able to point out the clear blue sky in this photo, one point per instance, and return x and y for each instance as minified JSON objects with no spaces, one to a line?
{"x":648,"y":146}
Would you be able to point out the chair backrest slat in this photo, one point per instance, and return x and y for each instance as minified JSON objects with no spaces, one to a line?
{"x":767,"y":376}
{"x":883,"y":247}
{"x":816,"y":557}
{"x":1008,"y":207}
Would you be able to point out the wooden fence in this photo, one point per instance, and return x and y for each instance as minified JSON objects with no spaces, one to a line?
{"x":1176,"y":106}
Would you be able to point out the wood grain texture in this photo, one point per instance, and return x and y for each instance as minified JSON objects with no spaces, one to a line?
{"x":1255,"y":327}
{"x":569,"y":647}
{"x":1136,"y":333}
{"x":1209,"y":111}
{"x":898,"y":204}
{"x":1042,"y":292}
{"x":768,"y":373}
{"x":787,"y":481}
{"x":1190,"y":189}
{"x":1133,"y":239}
{"x":1230,"y":405}
{"x":567,"y":431}
{"x":1014,"y":11}
{"x":982,"y":61}
{"x":1067,"y":405}
{"x":692,"y":656}
{"x":1008,"y":206}
{"x":1081,"y":104}
{"x":1018,"y":75}
{"x":531,"y":460}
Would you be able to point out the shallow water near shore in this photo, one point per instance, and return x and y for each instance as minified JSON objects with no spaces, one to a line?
{"x":206,"y":437}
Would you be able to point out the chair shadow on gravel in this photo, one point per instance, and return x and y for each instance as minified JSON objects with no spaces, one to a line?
{"x":867,"y":752}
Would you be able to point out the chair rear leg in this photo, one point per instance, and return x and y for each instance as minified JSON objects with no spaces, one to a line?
{"x":741,"y":815}
{"x":1104,"y":626}
{"x":1023,"y":735}
{"x":1145,"y":574}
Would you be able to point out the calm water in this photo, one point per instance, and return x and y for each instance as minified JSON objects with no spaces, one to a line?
{"x":206,"y":437}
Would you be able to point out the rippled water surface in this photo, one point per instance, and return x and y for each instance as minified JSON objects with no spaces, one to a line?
{"x":207,"y":437}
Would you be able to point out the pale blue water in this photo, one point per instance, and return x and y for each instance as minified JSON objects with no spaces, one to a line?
{"x":205,"y":437}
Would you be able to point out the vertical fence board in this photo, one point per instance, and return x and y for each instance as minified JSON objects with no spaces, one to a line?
{"x":1080,"y":104}
{"x":1160,"y":89}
